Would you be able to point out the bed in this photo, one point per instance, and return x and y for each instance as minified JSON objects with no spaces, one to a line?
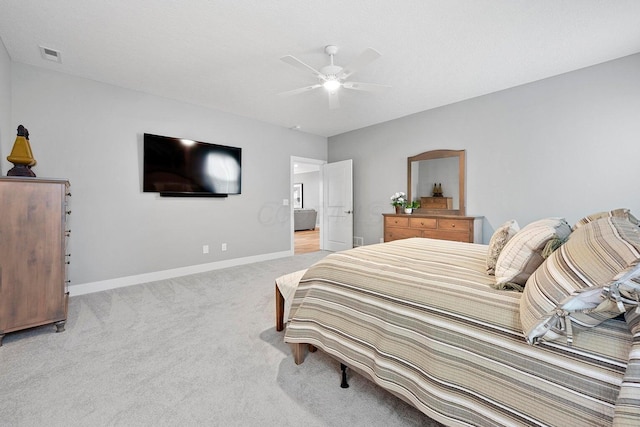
{"x":423,"y":319}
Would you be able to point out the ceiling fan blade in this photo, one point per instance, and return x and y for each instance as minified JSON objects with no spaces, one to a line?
{"x":371,"y":87}
{"x":369,"y":55}
{"x":292,"y":60}
{"x":334,"y":101}
{"x":300,"y":90}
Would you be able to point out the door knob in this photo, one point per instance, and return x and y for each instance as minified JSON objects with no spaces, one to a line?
{"x":348,"y":212}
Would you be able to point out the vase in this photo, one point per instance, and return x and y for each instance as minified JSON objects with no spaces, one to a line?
{"x":398,"y":209}
{"x":408,"y":210}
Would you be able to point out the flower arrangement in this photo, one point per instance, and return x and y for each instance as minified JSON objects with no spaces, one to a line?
{"x":412,"y":205}
{"x":399,"y":199}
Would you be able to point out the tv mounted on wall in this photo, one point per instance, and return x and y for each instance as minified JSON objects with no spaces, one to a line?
{"x":183,"y":167}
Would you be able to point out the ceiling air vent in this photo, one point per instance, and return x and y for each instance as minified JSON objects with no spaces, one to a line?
{"x":51,"y":54}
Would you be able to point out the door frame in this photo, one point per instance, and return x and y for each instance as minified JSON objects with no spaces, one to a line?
{"x":293,"y":161}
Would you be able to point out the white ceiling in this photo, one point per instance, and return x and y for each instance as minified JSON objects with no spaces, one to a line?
{"x":224,"y":54}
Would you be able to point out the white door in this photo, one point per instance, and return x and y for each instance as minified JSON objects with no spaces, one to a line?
{"x":337,"y":184}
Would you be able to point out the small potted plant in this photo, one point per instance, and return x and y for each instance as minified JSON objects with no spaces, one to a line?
{"x":410,"y":206}
{"x":398,"y":200}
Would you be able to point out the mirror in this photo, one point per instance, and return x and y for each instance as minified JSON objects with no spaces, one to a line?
{"x":446,"y":168}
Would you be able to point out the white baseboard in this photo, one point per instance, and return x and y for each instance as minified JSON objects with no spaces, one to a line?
{"x":121,"y":282}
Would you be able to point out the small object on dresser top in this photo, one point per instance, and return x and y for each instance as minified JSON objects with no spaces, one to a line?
{"x":437,"y":190}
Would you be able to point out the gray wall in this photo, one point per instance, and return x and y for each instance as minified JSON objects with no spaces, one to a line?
{"x":6,"y":127}
{"x":564,"y":146}
{"x":91,"y":133}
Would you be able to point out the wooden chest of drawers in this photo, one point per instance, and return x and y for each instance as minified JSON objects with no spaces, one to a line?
{"x":33,"y":255}
{"x":444,"y":227}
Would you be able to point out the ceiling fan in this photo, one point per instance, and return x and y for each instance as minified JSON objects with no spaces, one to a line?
{"x":333,"y":77}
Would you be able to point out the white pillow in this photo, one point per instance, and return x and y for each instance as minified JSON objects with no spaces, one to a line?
{"x":522,"y":255}
{"x":499,"y":239}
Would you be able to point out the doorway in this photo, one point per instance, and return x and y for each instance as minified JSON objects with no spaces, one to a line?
{"x":306,"y":200}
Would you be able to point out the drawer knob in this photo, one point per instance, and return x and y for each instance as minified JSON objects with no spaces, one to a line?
{"x":453,"y":226}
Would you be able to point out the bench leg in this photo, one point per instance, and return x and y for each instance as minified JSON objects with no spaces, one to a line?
{"x":298,"y":353}
{"x":279,"y":310}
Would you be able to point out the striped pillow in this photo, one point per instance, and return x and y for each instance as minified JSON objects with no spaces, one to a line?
{"x":628,"y":403}
{"x":572,"y":285}
{"x":621,"y":212}
{"x":499,"y":239}
{"x":522,"y":255}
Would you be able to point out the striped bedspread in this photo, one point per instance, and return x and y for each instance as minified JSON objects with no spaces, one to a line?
{"x":419,"y":318}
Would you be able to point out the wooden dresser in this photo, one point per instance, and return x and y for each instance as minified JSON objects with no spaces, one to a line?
{"x":444,"y":227}
{"x":32,"y":253}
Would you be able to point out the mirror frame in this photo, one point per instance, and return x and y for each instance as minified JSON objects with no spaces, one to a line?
{"x":441,"y":154}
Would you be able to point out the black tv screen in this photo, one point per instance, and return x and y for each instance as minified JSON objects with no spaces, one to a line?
{"x":182,"y":167}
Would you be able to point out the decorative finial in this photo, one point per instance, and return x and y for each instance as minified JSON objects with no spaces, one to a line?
{"x":21,"y":155}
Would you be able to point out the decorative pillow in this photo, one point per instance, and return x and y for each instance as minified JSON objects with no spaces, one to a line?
{"x":593,"y":277}
{"x":499,"y":239}
{"x":628,"y":403}
{"x":621,"y":212}
{"x":522,"y":255}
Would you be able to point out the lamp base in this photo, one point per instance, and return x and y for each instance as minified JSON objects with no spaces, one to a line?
{"x":21,"y":170}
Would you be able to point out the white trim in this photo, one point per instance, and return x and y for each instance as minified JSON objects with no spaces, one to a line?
{"x":121,"y":282}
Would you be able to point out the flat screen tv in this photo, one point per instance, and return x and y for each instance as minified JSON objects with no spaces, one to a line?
{"x":182,"y":167}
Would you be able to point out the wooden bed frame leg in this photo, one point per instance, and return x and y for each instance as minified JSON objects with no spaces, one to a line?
{"x":279,"y":310}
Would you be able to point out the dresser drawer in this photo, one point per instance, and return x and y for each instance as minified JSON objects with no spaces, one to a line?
{"x":401,"y":233}
{"x":396,"y":221}
{"x":423,"y":223}
{"x":458,"y":236}
{"x":454,"y":224}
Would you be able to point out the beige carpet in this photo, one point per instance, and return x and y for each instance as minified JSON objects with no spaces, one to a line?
{"x":196,"y":350}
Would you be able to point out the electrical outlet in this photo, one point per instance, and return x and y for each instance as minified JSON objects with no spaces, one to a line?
{"x":358,"y":241}
{"x":205,"y":249}
{"x":285,"y":202}
{"x":224,"y":247}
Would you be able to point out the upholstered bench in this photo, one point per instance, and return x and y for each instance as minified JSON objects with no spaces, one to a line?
{"x":285,"y":288}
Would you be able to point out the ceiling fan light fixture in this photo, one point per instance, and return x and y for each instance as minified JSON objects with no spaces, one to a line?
{"x":331,"y":85}
{"x":332,"y":77}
